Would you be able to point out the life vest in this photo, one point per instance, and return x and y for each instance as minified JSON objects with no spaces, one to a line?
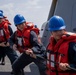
{"x":8,"y":21}
{"x":29,"y":24}
{"x":31,"y":27}
{"x":36,"y":30}
{"x":59,"y":53}
{"x":4,"y":32}
{"x":23,"y":38}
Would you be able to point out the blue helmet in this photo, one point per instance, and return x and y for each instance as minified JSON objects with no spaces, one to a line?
{"x":18,"y":19}
{"x":1,"y":11}
{"x":56,"y":23}
{"x":1,"y":15}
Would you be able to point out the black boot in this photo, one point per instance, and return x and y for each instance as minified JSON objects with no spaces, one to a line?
{"x":19,"y":72}
{"x":3,"y":61}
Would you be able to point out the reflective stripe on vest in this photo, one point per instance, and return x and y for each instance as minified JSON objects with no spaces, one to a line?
{"x":19,"y":41}
{"x":48,"y":57}
{"x":53,"y":59}
{"x":1,"y":33}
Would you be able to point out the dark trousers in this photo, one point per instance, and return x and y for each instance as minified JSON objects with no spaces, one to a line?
{"x":12,"y":55}
{"x":2,"y":55}
{"x":24,"y":60}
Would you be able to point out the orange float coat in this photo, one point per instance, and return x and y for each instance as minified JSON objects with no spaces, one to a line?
{"x":23,"y":38}
{"x":4,"y":32}
{"x":59,"y":53}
